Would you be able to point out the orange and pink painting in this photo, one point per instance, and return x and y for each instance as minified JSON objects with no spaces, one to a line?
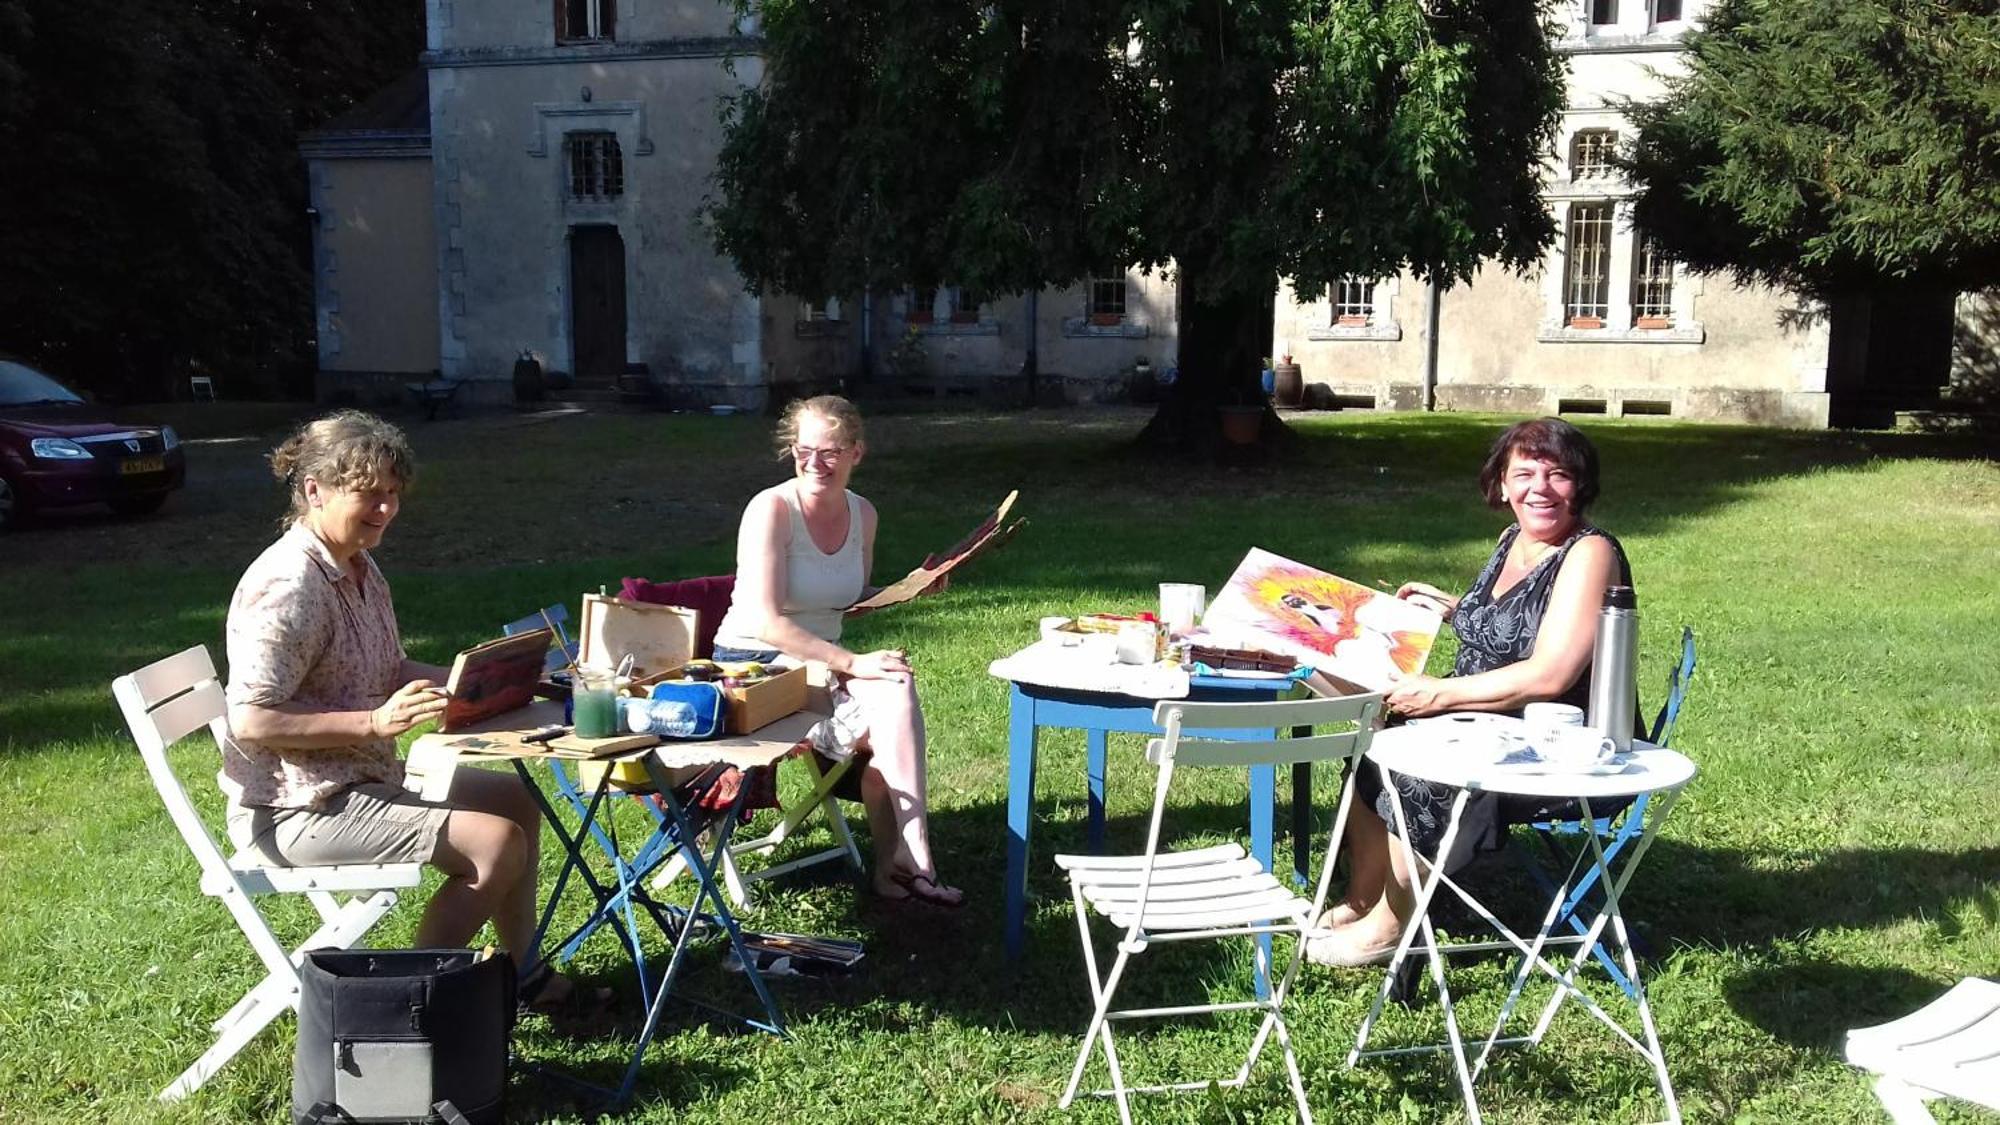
{"x":1364,"y":636}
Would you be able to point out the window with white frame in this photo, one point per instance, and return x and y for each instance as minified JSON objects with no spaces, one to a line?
{"x":1603,"y":12}
{"x":1353,"y":300}
{"x":596,"y":166}
{"x":820,"y":311}
{"x":586,"y":21}
{"x":1666,"y":11}
{"x":1587,"y":265}
{"x":1107,"y":296}
{"x":1590,"y":153}
{"x":1652,"y":284}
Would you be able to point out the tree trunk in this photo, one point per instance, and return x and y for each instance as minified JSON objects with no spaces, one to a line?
{"x":1223,"y":342}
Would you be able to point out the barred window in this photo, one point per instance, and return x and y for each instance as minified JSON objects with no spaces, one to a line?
{"x":1107,"y":294}
{"x":1590,"y":153}
{"x":1587,"y":265}
{"x":1353,"y":300}
{"x":596,"y":166}
{"x":1652,"y":285}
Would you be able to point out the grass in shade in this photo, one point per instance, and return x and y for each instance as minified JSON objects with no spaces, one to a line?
{"x":1834,"y":865}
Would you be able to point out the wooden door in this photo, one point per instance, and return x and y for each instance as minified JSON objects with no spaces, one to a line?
{"x":597,"y":303}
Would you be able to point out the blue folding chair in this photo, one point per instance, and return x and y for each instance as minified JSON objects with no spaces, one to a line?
{"x":1615,"y":830}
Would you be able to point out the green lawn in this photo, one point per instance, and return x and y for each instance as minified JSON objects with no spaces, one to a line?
{"x":1831,"y":867}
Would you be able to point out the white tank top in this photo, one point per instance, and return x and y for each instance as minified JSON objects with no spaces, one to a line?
{"x":817,"y":585}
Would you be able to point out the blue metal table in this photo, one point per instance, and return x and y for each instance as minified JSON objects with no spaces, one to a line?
{"x":1033,"y":708}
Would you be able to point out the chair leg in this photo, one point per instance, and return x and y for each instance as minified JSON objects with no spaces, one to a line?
{"x":1902,"y":1102}
{"x":251,"y":1020}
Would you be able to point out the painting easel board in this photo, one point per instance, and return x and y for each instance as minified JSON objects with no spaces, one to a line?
{"x":494,"y":678}
{"x":991,"y":532}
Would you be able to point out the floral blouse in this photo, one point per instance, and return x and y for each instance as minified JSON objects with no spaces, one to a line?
{"x":303,"y":630}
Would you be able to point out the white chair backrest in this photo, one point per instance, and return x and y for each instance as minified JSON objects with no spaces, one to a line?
{"x":1356,"y":714}
{"x":163,"y":703}
{"x":1179,"y":719}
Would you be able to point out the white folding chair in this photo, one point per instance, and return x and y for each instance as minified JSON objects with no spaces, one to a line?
{"x":1212,"y":892}
{"x":165,"y":702}
{"x":1948,"y":1048}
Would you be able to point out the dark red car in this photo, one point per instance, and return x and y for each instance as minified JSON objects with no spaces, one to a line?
{"x":57,"y":450}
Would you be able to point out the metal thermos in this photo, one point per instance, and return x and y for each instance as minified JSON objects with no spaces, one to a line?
{"x":1614,"y":667}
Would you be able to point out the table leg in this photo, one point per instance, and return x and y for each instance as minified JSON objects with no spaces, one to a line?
{"x":1094,"y":756}
{"x":1302,"y":814}
{"x":1020,"y":815}
{"x":1426,"y":888}
{"x":573,"y":861}
{"x":1263,"y":796}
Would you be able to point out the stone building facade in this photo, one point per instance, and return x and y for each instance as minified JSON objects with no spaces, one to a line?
{"x":535,"y":187}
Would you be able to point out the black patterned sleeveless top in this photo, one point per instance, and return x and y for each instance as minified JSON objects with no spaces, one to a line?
{"x":1495,"y":632}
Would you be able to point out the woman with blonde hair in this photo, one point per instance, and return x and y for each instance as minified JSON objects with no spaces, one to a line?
{"x":319,"y":688}
{"x":804,"y":551}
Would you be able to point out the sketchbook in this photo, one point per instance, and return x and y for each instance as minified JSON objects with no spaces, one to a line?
{"x":991,"y":532}
{"x":1353,"y":633}
{"x":495,"y":677}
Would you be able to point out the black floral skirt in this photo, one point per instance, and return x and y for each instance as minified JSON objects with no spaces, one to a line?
{"x":1483,"y":826}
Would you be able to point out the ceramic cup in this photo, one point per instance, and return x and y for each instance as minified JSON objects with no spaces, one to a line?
{"x":1577,"y":747}
{"x":1181,"y":606}
{"x":1543,"y":721}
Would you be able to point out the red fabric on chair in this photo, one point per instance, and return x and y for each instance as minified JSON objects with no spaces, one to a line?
{"x":708,"y":597}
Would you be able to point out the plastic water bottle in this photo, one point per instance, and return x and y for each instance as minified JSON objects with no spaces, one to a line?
{"x":1614,"y":667}
{"x":665,"y":718}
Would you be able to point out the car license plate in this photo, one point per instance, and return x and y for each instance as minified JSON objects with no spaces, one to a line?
{"x":136,"y":465}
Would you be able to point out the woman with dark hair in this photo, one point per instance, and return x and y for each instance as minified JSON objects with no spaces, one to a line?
{"x":1526,"y":630}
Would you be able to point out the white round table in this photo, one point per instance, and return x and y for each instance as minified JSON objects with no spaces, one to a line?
{"x":1466,"y":752}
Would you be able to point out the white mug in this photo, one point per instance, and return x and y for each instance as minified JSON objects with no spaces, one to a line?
{"x":1181,"y":605}
{"x":1576,"y":747}
{"x":1544,"y":721}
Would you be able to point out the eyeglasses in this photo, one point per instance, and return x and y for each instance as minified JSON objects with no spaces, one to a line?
{"x":831,"y":455}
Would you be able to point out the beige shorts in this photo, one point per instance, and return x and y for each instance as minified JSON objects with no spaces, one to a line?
{"x":374,"y":822}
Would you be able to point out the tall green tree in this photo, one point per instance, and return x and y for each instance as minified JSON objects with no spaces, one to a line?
{"x":1011,"y":145}
{"x":1830,"y":147}
{"x":152,"y":202}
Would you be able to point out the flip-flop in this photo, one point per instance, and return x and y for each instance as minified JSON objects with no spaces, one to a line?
{"x":933,"y":896}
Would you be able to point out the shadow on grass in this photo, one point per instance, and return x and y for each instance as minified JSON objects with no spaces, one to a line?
{"x":1812,"y":1004}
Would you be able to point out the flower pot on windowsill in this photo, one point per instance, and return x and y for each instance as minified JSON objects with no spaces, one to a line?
{"x":965,"y":318}
{"x":920,"y":316}
{"x":1350,"y":320}
{"x":1653,"y":322}
{"x":1106,"y":320}
{"x":1586,"y":322}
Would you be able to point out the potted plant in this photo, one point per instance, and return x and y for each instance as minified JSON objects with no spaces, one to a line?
{"x":1654,"y":322}
{"x":1351,"y":320}
{"x":1242,"y":415}
{"x":1586,"y":322}
{"x":1107,"y":320}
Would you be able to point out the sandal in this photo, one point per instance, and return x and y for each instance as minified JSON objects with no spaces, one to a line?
{"x":925,"y":890}
{"x":535,"y":994}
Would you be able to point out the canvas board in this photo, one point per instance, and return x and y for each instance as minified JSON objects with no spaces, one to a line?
{"x":1349,"y":631}
{"x":991,"y":532}
{"x":495,"y":677}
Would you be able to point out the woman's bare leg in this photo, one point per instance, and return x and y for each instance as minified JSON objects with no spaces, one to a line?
{"x":503,"y":796}
{"x":894,"y":784}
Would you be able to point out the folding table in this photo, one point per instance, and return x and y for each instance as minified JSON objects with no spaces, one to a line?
{"x":625,"y":898}
{"x":1443,"y":753}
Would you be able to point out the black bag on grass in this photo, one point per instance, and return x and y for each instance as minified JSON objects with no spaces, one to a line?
{"x":403,"y":1036}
